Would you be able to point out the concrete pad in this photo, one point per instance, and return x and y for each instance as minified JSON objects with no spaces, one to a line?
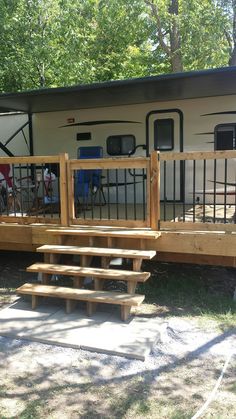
{"x":103,"y":332}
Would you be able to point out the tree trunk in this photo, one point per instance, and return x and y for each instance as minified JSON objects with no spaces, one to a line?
{"x":175,"y":38}
{"x":232,"y":60}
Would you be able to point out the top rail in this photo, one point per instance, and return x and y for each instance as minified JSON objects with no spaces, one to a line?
{"x":199,"y":155}
{"x":30,"y":159}
{"x":110,"y":163}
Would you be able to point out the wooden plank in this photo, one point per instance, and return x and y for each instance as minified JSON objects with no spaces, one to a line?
{"x":29,"y":159}
{"x":155,"y":190}
{"x":107,"y":222}
{"x":40,"y":235}
{"x":199,"y":155}
{"x":180,"y":225}
{"x":109,"y":163}
{"x":97,"y":251}
{"x":63,"y":189}
{"x":148,"y":198}
{"x":113,"y":274}
{"x":81,"y":294}
{"x":17,"y":247}
{"x":196,"y":259}
{"x":71,"y":194}
{"x":210,"y":243}
{"x":26,"y":220}
{"x":15,"y":233}
{"x":107,"y":232}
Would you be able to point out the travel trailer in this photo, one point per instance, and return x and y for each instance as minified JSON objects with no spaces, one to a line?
{"x":164,"y":152}
{"x":173,"y":113}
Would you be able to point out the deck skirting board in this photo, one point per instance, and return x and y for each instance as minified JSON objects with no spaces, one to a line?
{"x":205,"y":244}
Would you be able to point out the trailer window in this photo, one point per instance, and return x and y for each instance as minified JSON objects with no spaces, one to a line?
{"x":120,"y":145}
{"x":225,"y":137}
{"x":164,"y":134}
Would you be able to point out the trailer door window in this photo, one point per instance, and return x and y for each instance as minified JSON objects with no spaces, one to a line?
{"x":225,"y":137}
{"x":120,"y":145}
{"x":164,"y":134}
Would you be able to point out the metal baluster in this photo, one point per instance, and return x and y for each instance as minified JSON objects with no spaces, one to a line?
{"x":164,"y":190}
{"x":21,"y":194}
{"x":225,"y":190}
{"x":184,"y":165}
{"x":135,"y":209}
{"x":214,"y":193}
{"x":117,"y":196}
{"x":108,"y":194}
{"x":194,"y":188}
{"x":204,"y":191}
{"x":144,"y":195}
{"x":43,"y":191}
{"x":126,"y":207}
{"x":174,"y":188}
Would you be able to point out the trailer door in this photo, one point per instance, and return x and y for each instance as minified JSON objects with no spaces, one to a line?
{"x":165,"y":134}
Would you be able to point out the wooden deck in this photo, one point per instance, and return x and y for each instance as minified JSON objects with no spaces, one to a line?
{"x":187,"y":231}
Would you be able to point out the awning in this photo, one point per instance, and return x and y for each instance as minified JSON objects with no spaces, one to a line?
{"x":177,"y":86}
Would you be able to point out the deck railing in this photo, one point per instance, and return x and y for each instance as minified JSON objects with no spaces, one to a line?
{"x":164,"y":191}
{"x":114,"y":191}
{"x":198,"y":190}
{"x":33,"y":189}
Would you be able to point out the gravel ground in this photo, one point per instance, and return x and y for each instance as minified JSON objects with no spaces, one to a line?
{"x":180,"y":340}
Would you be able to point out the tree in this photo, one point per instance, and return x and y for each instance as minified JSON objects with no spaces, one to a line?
{"x":47,"y":43}
{"x":30,"y":38}
{"x":166,"y":18}
{"x":228,"y":8}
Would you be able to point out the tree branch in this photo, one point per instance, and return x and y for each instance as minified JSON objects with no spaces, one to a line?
{"x":228,"y":39}
{"x":154,"y":10}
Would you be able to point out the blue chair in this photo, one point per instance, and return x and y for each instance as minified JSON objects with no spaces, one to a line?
{"x":88,"y":182}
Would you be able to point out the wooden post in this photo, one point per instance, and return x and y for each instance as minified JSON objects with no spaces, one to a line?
{"x":155,"y":190}
{"x":125,"y":312}
{"x":131,"y":287}
{"x":63,"y":189}
{"x":70,"y":306}
{"x":90,"y":308}
{"x":71,"y":194}
{"x":35,"y":300}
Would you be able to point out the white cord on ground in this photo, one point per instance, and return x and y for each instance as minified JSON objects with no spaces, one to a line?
{"x":211,"y":396}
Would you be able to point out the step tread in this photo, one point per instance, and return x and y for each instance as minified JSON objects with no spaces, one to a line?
{"x":107,"y":232}
{"x":98,"y":251}
{"x":114,"y":274}
{"x":81,"y":294}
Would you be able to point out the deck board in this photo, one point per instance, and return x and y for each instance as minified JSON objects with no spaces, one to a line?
{"x":114,"y":274}
{"x":106,"y":232}
{"x":98,"y":251}
{"x":109,"y":297}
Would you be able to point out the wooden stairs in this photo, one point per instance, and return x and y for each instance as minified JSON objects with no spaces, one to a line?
{"x":52,"y":266}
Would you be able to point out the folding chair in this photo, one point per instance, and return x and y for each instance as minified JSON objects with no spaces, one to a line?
{"x":88,"y":182}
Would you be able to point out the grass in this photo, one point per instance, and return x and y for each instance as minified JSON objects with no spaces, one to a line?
{"x":193,"y":291}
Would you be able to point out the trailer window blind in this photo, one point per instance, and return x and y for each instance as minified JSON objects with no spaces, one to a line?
{"x":164,"y":134}
{"x":120,"y":145}
{"x":225,"y":137}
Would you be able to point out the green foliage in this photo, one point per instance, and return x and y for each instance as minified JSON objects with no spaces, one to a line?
{"x":49,"y":43}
